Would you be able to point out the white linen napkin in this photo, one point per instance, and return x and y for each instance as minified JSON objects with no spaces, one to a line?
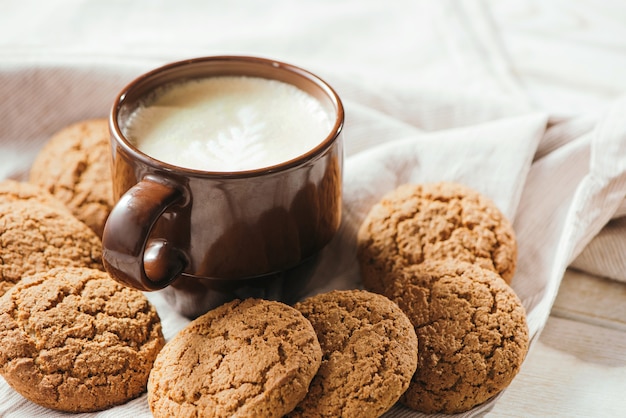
{"x":560,"y":182}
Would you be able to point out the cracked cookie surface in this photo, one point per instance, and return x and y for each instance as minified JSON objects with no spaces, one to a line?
{"x":12,"y":190}
{"x":74,"y":166}
{"x":369,"y":354}
{"x":250,"y":358}
{"x":472,"y":333}
{"x":35,"y":238}
{"x":74,"y":340}
{"x":434,"y":221}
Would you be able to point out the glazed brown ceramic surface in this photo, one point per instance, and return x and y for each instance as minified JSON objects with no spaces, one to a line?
{"x":221,"y":232}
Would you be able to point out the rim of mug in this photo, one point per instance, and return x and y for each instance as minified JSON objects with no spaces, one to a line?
{"x":122,"y":96}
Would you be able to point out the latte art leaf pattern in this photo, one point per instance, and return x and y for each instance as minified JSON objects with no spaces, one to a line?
{"x":243,"y":143}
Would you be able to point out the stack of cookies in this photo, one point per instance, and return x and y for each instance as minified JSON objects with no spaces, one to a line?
{"x":71,"y":338}
{"x":446,"y":255}
{"x":437,"y":328}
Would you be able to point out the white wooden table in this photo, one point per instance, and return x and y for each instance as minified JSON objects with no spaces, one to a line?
{"x":578,"y":366}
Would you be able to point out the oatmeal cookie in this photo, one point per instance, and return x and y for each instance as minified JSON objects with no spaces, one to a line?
{"x":435,"y":221}
{"x":12,"y":190}
{"x":74,"y":340}
{"x":369,"y":354}
{"x":75,"y":166}
{"x":245,"y":358}
{"x":35,"y":238}
{"x":472,"y":334}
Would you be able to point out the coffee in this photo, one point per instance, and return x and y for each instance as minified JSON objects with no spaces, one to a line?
{"x":207,"y":236}
{"x":228,"y":123}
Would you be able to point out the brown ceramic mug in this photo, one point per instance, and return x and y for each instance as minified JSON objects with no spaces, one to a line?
{"x":205,"y":237}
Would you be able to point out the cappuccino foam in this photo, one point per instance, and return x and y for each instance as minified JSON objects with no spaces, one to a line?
{"x":228,"y":123}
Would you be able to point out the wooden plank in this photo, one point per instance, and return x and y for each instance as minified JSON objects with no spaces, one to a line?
{"x":590,"y":299}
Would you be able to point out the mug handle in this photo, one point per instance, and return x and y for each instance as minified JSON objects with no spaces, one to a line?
{"x":126,"y":253}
